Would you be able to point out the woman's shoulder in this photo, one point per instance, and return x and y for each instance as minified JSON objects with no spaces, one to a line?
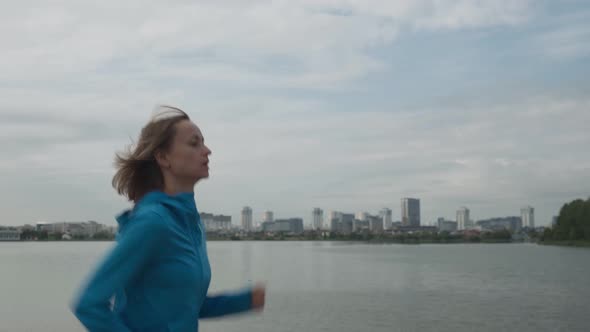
{"x":147,"y":217}
{"x":148,"y":210}
{"x":152,"y":213}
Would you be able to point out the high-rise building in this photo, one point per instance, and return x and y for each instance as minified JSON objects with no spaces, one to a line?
{"x":318,"y":218}
{"x":463,"y":219}
{"x":363,"y":216}
{"x":375,"y":224}
{"x":341,"y":222}
{"x":247,"y":218}
{"x":385,"y":214}
{"x":334,"y":217}
{"x":267,"y":216}
{"x":410,"y":212}
{"x":527,"y":214}
{"x":346,"y":223}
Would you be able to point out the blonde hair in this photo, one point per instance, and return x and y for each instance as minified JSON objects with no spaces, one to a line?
{"x":138,"y":171}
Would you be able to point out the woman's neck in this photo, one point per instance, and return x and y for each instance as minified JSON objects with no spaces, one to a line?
{"x":177,"y":187}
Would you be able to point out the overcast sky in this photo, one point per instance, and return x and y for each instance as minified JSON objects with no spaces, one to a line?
{"x":343,"y":105}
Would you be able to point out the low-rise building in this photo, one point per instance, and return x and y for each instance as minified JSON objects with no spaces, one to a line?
{"x":10,"y":235}
{"x":292,"y":225}
{"x":78,"y":228}
{"x":446,"y":225}
{"x":414,"y":229}
{"x":216,"y":222}
{"x":511,"y":224}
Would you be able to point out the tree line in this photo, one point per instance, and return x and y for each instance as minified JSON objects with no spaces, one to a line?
{"x":573,"y":223}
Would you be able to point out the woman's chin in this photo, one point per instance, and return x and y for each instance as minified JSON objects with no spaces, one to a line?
{"x":202,"y":176}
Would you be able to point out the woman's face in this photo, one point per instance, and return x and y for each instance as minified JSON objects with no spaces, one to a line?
{"x":188,"y":156}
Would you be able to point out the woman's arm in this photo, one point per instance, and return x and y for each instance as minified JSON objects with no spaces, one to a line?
{"x":125,"y":261}
{"x":233,"y":303}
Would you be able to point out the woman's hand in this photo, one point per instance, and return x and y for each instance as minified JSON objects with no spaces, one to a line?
{"x":258,"y":295}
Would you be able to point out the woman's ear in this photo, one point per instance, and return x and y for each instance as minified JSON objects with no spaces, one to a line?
{"x":162,"y":159}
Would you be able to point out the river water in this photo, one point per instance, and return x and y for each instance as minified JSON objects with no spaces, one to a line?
{"x":335,"y":286}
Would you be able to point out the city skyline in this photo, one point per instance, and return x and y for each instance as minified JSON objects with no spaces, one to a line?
{"x":247,"y":219}
{"x":348,"y":106}
{"x":374,"y":222}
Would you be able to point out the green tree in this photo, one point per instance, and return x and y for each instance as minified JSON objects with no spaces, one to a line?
{"x":103,"y":235}
{"x":42,"y":235}
{"x":547,"y":235}
{"x":573,"y":222}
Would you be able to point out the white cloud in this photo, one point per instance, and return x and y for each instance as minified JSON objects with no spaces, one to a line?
{"x":265,"y":81}
{"x":45,"y":41}
{"x":505,"y":154}
{"x":567,"y":42}
{"x":565,"y":37}
{"x":290,"y":161}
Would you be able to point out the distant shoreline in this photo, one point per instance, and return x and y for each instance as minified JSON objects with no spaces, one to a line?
{"x":580,"y":244}
{"x":374,"y":241}
{"x":571,"y":244}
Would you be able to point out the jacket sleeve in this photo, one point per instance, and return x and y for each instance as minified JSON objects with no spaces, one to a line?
{"x":121,"y":265}
{"x":226,"y":304}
